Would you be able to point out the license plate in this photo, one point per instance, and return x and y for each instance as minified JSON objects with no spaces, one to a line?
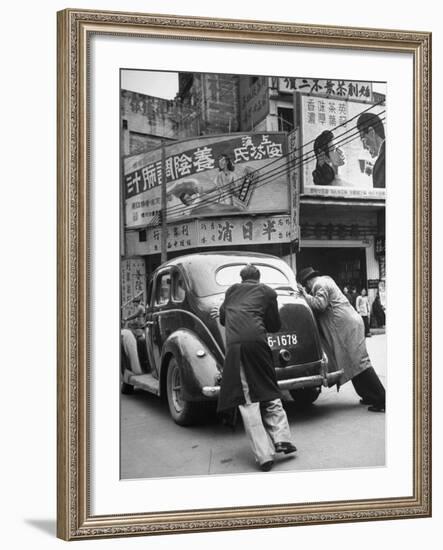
{"x":282,"y":340}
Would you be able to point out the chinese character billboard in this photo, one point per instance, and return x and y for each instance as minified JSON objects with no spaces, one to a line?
{"x":333,"y":89}
{"x":133,"y":283}
{"x":207,"y":176}
{"x":221,"y":231}
{"x":334,"y":160}
{"x":254,"y":100}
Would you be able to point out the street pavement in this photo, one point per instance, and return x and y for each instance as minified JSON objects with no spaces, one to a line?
{"x":336,"y":432}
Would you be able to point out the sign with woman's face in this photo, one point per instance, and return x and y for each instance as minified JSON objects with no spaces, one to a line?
{"x":231,"y":173}
{"x":347,"y":156}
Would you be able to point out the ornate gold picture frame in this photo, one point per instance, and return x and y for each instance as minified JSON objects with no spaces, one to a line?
{"x":76,"y":517}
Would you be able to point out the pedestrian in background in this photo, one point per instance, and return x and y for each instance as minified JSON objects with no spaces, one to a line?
{"x":347,"y":294}
{"x":136,"y":323}
{"x":354,"y":295}
{"x":249,"y":382}
{"x":362,"y":307}
{"x":378,"y":312}
{"x":343,"y":336}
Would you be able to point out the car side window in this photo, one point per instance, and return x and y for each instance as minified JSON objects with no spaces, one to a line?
{"x":178,"y":287}
{"x":163,"y":289}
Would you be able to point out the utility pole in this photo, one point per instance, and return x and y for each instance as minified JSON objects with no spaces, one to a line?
{"x":164,"y":234}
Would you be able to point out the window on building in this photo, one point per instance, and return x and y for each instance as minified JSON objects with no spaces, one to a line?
{"x":285,"y":119}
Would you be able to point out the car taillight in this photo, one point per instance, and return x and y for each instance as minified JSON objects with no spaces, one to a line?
{"x":284,"y":356}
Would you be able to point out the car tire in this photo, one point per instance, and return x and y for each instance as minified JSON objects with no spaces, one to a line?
{"x":304,"y":397}
{"x":126,"y":389}
{"x":183,"y":412}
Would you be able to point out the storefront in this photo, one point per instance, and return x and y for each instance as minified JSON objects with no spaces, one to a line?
{"x":340,"y":239}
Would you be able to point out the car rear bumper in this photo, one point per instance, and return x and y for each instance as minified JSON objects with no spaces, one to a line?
{"x":323,"y":378}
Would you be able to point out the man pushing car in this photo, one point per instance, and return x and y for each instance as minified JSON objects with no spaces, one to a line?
{"x":249,"y":311}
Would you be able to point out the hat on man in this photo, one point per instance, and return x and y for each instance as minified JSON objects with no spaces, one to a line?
{"x":306,"y":274}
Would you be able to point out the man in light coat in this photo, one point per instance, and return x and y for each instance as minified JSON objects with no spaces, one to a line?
{"x":343,"y":336}
{"x":249,"y":311}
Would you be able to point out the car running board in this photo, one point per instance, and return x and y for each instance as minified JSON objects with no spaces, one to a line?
{"x":145,"y":382}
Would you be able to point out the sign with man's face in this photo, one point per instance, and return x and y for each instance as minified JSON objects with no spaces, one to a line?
{"x":349,"y":165}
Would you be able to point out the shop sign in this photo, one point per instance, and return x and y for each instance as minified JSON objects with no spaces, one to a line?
{"x":254,"y":100}
{"x":334,"y":89}
{"x":133,"y":282}
{"x":294,"y":180}
{"x":222,"y":232}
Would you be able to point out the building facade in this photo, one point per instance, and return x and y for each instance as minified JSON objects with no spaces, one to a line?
{"x":339,"y":228}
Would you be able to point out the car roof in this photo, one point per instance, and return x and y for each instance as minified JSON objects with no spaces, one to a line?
{"x":216,"y":258}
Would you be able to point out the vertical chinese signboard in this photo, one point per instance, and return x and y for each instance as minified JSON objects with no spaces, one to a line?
{"x":294,"y":182}
{"x":352,"y":165}
{"x":254,"y":100}
{"x":254,"y":182}
{"x":133,"y":283}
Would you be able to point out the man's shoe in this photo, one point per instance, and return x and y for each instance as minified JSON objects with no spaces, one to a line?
{"x":376,"y":408}
{"x":266,"y":466}
{"x":285,"y":447}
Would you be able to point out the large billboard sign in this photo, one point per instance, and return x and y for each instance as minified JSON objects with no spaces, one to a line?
{"x":208,"y":176}
{"x":333,"y":160}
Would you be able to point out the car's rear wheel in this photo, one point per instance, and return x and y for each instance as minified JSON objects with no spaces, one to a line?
{"x":183,"y":412}
{"x":126,"y":389}
{"x":304,"y":397}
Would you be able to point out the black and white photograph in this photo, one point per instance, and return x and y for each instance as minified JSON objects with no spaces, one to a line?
{"x":253,"y":295}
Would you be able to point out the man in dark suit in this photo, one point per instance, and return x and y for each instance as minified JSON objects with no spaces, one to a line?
{"x":372,"y":135}
{"x":249,"y":311}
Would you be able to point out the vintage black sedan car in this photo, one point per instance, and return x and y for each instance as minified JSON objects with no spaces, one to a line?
{"x":185,"y":346}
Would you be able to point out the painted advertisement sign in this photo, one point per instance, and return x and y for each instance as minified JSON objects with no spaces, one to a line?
{"x":333,"y":160}
{"x":207,"y":176}
{"x":224,"y":231}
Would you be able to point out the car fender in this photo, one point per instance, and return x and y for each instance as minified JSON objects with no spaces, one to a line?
{"x":198,"y":366}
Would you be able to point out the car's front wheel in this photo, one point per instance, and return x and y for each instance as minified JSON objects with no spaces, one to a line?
{"x":183,"y":412}
{"x":304,"y":397}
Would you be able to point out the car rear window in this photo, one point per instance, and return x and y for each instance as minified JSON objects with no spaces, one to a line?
{"x":230,"y":274}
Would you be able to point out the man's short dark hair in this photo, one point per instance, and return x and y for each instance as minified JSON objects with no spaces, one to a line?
{"x":250,"y":272}
{"x":369,"y":120}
